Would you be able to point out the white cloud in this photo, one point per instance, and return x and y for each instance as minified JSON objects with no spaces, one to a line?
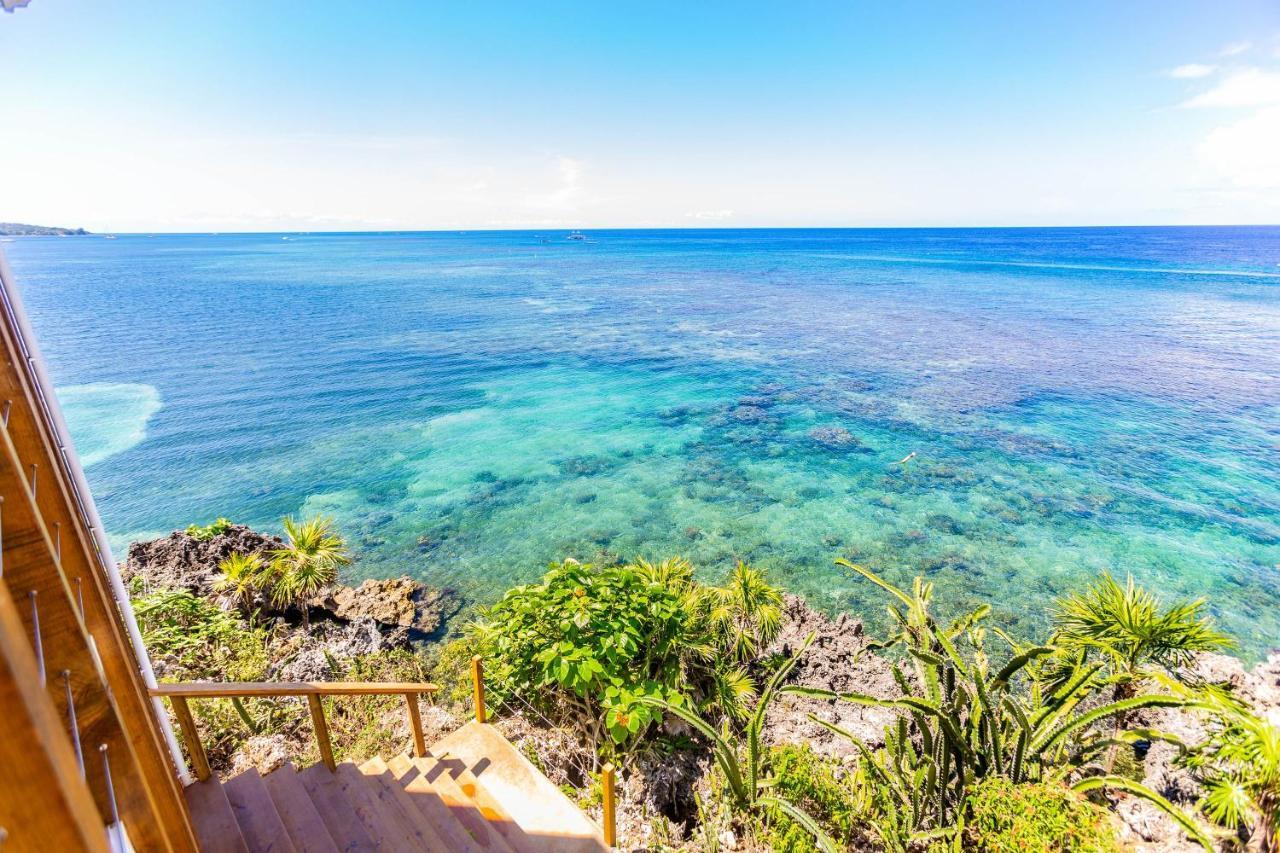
{"x":709,"y":214}
{"x":1192,"y":71}
{"x":1236,"y":48}
{"x":570,"y":189}
{"x":1251,"y":87}
{"x":1246,"y":153}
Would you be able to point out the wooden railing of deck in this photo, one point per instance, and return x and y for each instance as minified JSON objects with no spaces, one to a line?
{"x":81,"y":740}
{"x":179,"y":693}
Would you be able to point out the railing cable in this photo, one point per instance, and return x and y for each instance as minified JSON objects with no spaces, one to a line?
{"x":35,"y":629}
{"x":111,"y":799}
{"x":71,"y":719}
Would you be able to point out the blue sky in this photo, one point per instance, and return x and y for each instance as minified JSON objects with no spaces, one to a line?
{"x":327,"y":116}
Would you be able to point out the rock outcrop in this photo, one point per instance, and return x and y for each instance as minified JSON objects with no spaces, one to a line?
{"x":837,"y":660}
{"x":181,"y":561}
{"x":398,"y":602}
{"x":400,"y":607}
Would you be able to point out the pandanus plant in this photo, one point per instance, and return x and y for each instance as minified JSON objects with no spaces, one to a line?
{"x":742,"y":758}
{"x":309,"y":562}
{"x":963,"y":718}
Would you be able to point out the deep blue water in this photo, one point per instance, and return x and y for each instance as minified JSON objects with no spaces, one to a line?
{"x":473,"y":406}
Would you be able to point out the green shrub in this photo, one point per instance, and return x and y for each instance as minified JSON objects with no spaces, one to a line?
{"x":823,"y":789}
{"x":208,"y":531}
{"x":199,"y":640}
{"x":1042,"y":817}
{"x":592,"y":642}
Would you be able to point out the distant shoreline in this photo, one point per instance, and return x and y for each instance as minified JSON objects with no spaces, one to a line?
{"x":18,"y":229}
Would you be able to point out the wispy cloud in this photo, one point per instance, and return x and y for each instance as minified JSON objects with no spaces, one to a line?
{"x":1246,"y":153}
{"x":1250,"y":87}
{"x":1192,"y":71}
{"x":709,"y":214}
{"x":1236,"y":48}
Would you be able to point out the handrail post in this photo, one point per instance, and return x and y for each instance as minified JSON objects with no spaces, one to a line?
{"x":322,"y":730}
{"x":415,"y":722}
{"x":610,"y":810}
{"x":477,"y":681}
{"x":199,"y":761}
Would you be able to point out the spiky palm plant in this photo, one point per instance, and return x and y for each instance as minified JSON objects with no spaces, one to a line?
{"x":1239,"y":764}
{"x":242,"y":577}
{"x":962,"y":719}
{"x":309,"y":562}
{"x":1127,"y":628}
{"x":746,"y":613}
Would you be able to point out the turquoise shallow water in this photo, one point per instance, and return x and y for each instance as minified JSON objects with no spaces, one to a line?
{"x":471,"y":407}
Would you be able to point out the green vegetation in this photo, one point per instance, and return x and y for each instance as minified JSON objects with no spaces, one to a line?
{"x":1239,"y":765}
{"x":1039,"y":817}
{"x":208,"y":531}
{"x":834,"y":796}
{"x":745,"y":764}
{"x":591,"y":644}
{"x":308,"y":562}
{"x":994,"y":745}
{"x":240,"y":578}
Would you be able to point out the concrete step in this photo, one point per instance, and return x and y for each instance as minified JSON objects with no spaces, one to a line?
{"x":215,"y":823}
{"x":549,"y":820}
{"x":259,"y":821}
{"x":303,"y":823}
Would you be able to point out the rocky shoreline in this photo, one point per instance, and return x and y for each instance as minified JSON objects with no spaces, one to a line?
{"x":380,"y":615}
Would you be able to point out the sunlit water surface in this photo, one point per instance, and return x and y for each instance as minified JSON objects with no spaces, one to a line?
{"x":473,"y":406}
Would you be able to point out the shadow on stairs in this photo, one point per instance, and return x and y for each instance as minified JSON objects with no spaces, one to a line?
{"x":473,"y":791}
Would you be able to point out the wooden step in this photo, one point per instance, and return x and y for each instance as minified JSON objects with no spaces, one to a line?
{"x":426,"y":782}
{"x":215,"y":823}
{"x":381,"y":814}
{"x":340,"y":819}
{"x":260,"y":823}
{"x":447,"y":834}
{"x":301,"y":820}
{"x":459,"y":788}
{"x":451,"y":826}
{"x":547,"y":817}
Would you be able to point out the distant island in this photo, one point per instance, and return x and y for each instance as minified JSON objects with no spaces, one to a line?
{"x":14,"y":229}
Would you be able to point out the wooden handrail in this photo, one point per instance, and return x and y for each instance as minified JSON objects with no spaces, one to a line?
{"x":227,"y":689}
{"x":179,"y":693}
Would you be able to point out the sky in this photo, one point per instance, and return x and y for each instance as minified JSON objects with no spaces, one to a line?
{"x":325,"y":116}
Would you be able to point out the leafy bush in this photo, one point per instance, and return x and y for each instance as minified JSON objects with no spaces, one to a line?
{"x":830,"y":794}
{"x":593,"y":642}
{"x":202,"y":640}
{"x":1042,"y":817}
{"x":208,"y":531}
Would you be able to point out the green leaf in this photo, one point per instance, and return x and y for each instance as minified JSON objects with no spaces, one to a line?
{"x":1138,"y":790}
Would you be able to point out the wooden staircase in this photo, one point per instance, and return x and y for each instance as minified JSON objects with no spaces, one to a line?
{"x":472,"y":791}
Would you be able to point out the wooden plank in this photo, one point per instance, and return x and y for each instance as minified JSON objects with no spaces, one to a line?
{"x":322,"y":730}
{"x":434,"y":835}
{"x":434,"y":810}
{"x":301,"y":820}
{"x":415,"y":723}
{"x":44,"y":805}
{"x":223,"y":689}
{"x":260,"y":823}
{"x":428,"y":785}
{"x":215,"y":822}
{"x":381,"y":815}
{"x":199,"y":761}
{"x":344,"y":825}
{"x":150,"y":797}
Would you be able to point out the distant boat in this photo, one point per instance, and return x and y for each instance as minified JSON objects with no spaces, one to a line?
{"x":108,"y":236}
{"x":576,"y":235}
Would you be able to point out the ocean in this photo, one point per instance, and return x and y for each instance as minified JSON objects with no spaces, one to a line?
{"x":472,"y":406}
